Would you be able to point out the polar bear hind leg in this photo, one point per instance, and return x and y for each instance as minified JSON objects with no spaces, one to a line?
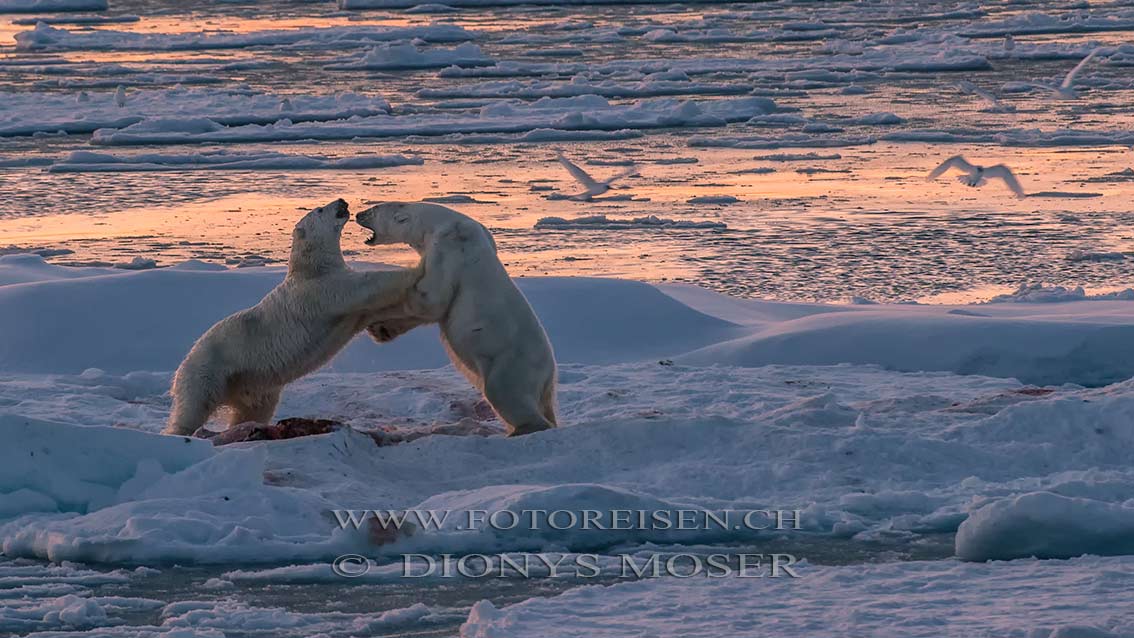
{"x":257,"y":406}
{"x":547,"y":401}
{"x":196,"y":395}
{"x":507,"y":390}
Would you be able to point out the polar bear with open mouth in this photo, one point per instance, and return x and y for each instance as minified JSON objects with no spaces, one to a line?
{"x":490,"y":331}
{"x":246,"y":359}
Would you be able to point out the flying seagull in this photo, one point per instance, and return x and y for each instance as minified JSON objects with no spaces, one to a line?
{"x":994,"y":105}
{"x":1066,"y":89}
{"x":979,"y":175}
{"x":593,"y":186}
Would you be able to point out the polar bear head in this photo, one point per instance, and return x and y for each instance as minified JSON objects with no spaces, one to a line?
{"x":315,"y":242}
{"x":419,"y":223}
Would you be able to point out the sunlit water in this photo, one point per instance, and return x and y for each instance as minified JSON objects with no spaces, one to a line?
{"x":864,"y":223}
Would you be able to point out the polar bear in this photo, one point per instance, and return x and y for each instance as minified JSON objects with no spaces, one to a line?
{"x":487,"y":326}
{"x":246,"y":358}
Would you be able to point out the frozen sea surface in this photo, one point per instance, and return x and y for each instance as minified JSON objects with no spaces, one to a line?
{"x":820,"y":187}
{"x":909,"y":437}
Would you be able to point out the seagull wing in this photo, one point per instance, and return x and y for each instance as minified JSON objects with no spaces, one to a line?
{"x":587,"y":181}
{"x":633,"y":170}
{"x":972,"y":89}
{"x":1070,"y":79}
{"x":1003,"y":172}
{"x":1047,"y":87}
{"x":956,"y":161}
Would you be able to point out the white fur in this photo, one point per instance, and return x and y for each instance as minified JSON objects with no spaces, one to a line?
{"x":246,"y":359}
{"x":490,"y":331}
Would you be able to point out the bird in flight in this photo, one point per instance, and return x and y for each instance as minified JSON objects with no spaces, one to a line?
{"x":1066,"y":89}
{"x":979,"y":175}
{"x":994,"y":104}
{"x":593,"y":186}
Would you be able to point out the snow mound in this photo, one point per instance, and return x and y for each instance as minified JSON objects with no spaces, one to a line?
{"x":1038,"y":350}
{"x":92,"y":471}
{"x":580,"y":85}
{"x":147,"y":498}
{"x":602,"y":222}
{"x":1042,"y":293}
{"x":45,"y":37}
{"x":173,"y":110}
{"x":580,"y":113}
{"x":712,"y":199}
{"x":33,"y":6}
{"x":147,"y":320}
{"x":88,"y":162}
{"x":1084,"y":598}
{"x":1046,"y":525}
{"x":404,"y":55}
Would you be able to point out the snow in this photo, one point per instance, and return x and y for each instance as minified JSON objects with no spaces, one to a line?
{"x":355,"y":5}
{"x":712,"y":199}
{"x":606,"y":223}
{"x":811,"y":394}
{"x":86,"y":161}
{"x":580,"y":85}
{"x":203,"y":109}
{"x":1047,"y":525}
{"x":407,"y":56}
{"x":35,"y":6}
{"x":45,"y":37}
{"x":87,"y":19}
{"x":1084,"y":597}
{"x":582,"y":113}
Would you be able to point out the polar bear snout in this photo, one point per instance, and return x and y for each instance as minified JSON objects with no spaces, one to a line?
{"x":377,"y":220}
{"x":339,"y":208}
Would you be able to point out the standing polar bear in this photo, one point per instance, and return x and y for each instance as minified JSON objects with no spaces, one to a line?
{"x":246,"y":359}
{"x":491,"y":333}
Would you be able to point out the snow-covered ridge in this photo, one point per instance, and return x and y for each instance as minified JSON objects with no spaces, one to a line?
{"x":1082,"y":598}
{"x":45,"y":37}
{"x":582,"y":113}
{"x":581,"y":85}
{"x":35,"y":6}
{"x":406,"y":56}
{"x":88,"y":162}
{"x":602,"y":222}
{"x":86,"y":111}
{"x":873,"y":420}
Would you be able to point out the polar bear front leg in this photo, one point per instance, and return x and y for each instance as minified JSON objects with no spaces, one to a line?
{"x":431,"y":296}
{"x":379,"y":291}
{"x":386,"y":330}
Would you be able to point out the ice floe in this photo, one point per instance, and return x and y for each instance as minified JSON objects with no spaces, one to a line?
{"x":583,"y":113}
{"x":1081,"y":598}
{"x":35,"y":6}
{"x":407,"y":56}
{"x":88,"y":162}
{"x":607,"y":223}
{"x":45,"y":37}
{"x":40,"y":112}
